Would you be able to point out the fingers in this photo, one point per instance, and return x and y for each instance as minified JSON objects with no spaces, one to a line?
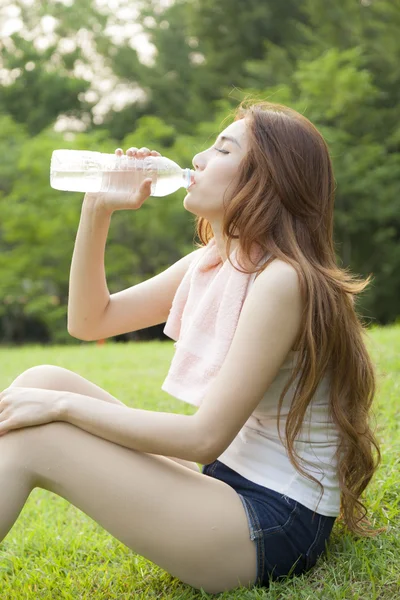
{"x":144,"y":191}
{"x":146,"y":186}
{"x":143,"y":152}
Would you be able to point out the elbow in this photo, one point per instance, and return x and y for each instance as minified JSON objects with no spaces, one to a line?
{"x":206,"y":448}
{"x":208,"y":458}
{"x":201,"y":456}
{"x":213,"y":450}
{"x":208,"y":453}
{"x":74,"y":333}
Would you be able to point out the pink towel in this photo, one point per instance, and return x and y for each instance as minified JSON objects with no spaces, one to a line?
{"x":203,"y":319}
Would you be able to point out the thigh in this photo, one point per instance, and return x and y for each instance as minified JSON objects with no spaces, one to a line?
{"x":57,"y":378}
{"x":289,"y":537}
{"x":192,"y":526}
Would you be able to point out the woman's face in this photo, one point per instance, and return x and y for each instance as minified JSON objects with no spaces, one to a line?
{"x":216,"y":168}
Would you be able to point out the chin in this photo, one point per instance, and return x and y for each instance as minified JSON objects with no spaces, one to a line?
{"x":192,"y":208}
{"x":197,"y":207}
{"x":194,"y":212}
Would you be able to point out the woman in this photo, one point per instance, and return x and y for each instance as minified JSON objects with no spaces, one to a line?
{"x":271,"y":327}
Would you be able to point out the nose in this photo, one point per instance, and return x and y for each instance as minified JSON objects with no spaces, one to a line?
{"x":196,"y":162}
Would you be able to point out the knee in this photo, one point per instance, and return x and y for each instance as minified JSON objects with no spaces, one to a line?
{"x":41,"y":376}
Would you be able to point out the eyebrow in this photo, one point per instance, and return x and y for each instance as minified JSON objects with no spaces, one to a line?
{"x":229,"y":138}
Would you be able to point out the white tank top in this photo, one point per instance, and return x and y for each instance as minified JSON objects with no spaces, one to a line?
{"x":257,"y":453}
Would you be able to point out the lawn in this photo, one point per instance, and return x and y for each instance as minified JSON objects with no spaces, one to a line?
{"x":56,"y":551}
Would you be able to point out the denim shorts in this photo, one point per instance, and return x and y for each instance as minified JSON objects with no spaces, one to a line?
{"x":289,"y":537}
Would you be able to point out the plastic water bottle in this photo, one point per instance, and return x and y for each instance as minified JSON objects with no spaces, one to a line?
{"x":84,"y":171}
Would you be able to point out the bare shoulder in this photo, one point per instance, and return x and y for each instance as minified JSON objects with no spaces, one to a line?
{"x":280,"y":271}
{"x":280,"y":283}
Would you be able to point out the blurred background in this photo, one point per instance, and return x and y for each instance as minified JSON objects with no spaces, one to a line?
{"x":102,"y":74}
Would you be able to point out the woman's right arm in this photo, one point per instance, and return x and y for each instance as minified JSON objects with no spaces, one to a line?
{"x":93,"y":313}
{"x":88,"y":291}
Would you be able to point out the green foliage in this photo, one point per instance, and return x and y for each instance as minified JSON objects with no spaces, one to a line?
{"x":335,"y":63}
{"x":56,"y":551}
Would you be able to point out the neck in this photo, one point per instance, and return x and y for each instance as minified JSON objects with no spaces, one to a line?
{"x":221,"y":245}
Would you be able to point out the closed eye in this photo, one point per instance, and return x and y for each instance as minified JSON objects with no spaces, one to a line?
{"x":223,"y":151}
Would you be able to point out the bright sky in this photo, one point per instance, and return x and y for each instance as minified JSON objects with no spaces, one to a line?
{"x":105,"y":88}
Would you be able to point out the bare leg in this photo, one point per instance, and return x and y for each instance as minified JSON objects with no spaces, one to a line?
{"x":51,"y":377}
{"x":16,"y":480}
{"x":193,"y":526}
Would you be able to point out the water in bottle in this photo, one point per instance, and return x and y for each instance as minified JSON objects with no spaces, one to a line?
{"x":84,"y":171}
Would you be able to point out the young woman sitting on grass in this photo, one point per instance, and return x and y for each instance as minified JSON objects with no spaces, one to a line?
{"x":270,"y":349}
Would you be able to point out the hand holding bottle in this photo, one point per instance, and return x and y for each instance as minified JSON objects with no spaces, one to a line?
{"x":122,"y":201}
{"x":121,"y":178}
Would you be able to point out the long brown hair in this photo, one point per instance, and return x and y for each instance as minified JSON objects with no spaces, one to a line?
{"x":283,"y":201}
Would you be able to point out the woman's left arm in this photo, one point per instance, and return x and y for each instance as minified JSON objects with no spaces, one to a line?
{"x":168,"y":434}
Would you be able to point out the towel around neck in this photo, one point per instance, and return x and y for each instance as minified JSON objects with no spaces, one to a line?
{"x":203,"y":320}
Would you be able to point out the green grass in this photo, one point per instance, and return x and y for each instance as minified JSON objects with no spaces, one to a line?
{"x":56,"y":551}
